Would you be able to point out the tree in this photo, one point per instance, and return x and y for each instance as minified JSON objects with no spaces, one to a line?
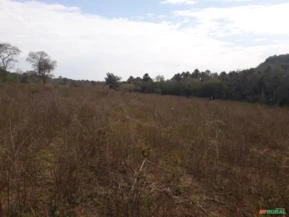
{"x":186,"y":76}
{"x":177,"y":77}
{"x":130,"y":80}
{"x":196,"y":74}
{"x":7,"y":55}
{"x":42,"y":64}
{"x":112,"y":80}
{"x":146,"y":78}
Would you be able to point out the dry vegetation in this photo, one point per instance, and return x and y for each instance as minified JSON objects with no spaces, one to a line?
{"x":90,"y":152}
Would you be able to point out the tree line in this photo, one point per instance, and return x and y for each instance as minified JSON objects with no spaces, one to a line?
{"x":268,"y":83}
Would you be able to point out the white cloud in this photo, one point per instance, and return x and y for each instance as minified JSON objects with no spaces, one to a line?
{"x":188,"y":2}
{"x":87,"y":46}
{"x":267,"y":19}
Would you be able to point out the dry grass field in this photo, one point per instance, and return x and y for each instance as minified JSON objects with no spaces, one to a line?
{"x":92,"y":152}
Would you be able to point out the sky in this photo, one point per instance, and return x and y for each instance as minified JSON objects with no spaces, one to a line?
{"x":89,"y":38}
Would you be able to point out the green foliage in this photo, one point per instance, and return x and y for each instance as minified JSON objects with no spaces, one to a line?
{"x":268,"y":83}
{"x":147,"y":78}
{"x":6,"y":77}
{"x":12,"y":78}
{"x":112,"y":80}
{"x":3,"y":74}
{"x":127,"y":87}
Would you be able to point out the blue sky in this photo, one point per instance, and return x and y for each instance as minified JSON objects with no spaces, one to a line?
{"x":117,"y":8}
{"x":135,"y":8}
{"x":89,"y":38}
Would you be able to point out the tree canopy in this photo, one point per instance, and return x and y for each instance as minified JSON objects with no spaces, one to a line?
{"x":267,"y":83}
{"x":8,"y":54}
{"x":112,"y":80}
{"x":42,"y":64}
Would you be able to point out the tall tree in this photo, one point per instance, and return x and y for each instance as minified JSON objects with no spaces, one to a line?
{"x":177,"y":77}
{"x":42,"y":64}
{"x":8,"y":54}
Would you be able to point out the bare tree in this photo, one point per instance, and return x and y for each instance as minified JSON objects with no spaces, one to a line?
{"x":7,"y":55}
{"x":42,"y":64}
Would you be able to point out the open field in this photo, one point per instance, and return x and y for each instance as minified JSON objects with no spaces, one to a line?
{"x":91,"y":152}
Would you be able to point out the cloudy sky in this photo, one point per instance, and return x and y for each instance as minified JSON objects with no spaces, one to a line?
{"x":89,"y":38}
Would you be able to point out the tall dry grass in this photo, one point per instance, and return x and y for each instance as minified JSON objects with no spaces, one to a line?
{"x":69,"y":152}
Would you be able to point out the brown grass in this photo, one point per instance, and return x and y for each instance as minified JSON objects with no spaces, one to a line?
{"x":71,"y":152}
